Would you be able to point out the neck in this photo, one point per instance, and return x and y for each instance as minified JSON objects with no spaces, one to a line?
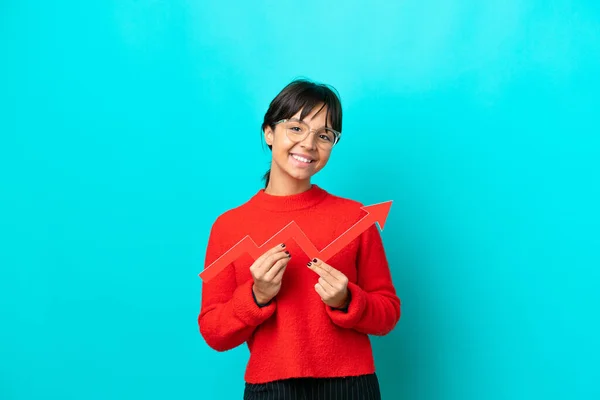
{"x":293,"y":202}
{"x":279,"y":186}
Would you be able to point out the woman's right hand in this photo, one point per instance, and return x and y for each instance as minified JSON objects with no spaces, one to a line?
{"x":267,"y":272}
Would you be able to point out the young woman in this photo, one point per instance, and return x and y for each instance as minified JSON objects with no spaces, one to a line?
{"x":306,"y":322}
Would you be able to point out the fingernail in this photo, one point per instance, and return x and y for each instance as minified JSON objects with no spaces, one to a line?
{"x":282,"y":244}
{"x":314,"y":260}
{"x":308,"y":264}
{"x":287,"y":252}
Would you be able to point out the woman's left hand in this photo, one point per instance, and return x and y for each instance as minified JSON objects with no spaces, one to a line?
{"x":332,"y":285}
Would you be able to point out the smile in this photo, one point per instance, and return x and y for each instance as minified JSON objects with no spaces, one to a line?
{"x":301,"y":159}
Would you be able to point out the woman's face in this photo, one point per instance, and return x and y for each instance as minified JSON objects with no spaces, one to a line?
{"x":289,"y":157}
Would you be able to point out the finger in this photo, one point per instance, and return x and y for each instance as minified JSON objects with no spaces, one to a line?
{"x":274,"y":258}
{"x":329,"y":289}
{"x":271,"y":273}
{"x":319,"y":289}
{"x":268,"y":262}
{"x":337,"y":275}
{"x":321,"y":272}
{"x":277,"y":279}
{"x":269,"y":252}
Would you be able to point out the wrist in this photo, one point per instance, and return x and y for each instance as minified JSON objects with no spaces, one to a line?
{"x":344,"y":305}
{"x":259,"y":299}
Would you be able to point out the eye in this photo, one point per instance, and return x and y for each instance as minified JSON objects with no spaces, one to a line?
{"x":327,"y":135}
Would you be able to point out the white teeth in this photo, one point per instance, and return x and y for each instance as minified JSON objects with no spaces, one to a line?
{"x":306,"y":160}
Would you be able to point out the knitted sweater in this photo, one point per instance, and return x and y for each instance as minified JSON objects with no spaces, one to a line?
{"x":297,"y":334}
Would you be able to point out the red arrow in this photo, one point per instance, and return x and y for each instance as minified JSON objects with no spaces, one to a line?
{"x":375,"y":213}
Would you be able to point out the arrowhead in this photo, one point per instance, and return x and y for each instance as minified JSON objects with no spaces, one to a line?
{"x":379,"y":212}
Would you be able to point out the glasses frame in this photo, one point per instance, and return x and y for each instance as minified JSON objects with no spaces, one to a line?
{"x":338,"y":135}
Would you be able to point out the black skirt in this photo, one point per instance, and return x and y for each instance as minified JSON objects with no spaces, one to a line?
{"x":362,"y":387}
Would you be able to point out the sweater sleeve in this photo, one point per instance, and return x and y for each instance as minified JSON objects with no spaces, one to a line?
{"x":228,"y":314}
{"x":374,"y":307}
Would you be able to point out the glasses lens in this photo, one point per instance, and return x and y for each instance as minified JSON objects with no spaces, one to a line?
{"x":326,"y":138}
{"x":298,"y":130}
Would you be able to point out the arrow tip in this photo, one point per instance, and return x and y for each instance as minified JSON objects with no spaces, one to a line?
{"x":379,"y":211}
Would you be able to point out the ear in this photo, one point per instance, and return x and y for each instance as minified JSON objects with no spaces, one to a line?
{"x":269,"y":136}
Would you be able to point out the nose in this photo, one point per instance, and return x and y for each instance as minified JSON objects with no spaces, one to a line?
{"x":309,"y":141}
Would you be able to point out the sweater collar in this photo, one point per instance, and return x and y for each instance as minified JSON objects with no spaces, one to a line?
{"x":298,"y":201}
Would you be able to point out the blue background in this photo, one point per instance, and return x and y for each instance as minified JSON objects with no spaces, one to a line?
{"x":126,"y":127}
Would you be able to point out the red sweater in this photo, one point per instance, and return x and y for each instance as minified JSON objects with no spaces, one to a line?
{"x":297,"y":335}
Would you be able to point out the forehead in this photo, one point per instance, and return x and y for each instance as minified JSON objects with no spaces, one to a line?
{"x":316,"y":115}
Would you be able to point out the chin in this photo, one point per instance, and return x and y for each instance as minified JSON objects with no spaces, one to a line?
{"x":300,"y":177}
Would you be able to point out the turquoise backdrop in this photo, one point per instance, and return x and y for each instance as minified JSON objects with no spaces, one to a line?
{"x":127,"y":126}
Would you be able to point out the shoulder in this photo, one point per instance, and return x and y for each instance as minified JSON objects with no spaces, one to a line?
{"x":344,"y":210}
{"x":344,"y":203}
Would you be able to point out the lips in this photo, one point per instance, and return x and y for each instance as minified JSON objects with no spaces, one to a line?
{"x":302,"y":158}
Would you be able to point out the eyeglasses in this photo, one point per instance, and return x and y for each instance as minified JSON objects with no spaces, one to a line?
{"x":297,"y":131}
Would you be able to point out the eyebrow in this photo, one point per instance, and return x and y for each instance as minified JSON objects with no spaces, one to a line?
{"x":301,"y":120}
